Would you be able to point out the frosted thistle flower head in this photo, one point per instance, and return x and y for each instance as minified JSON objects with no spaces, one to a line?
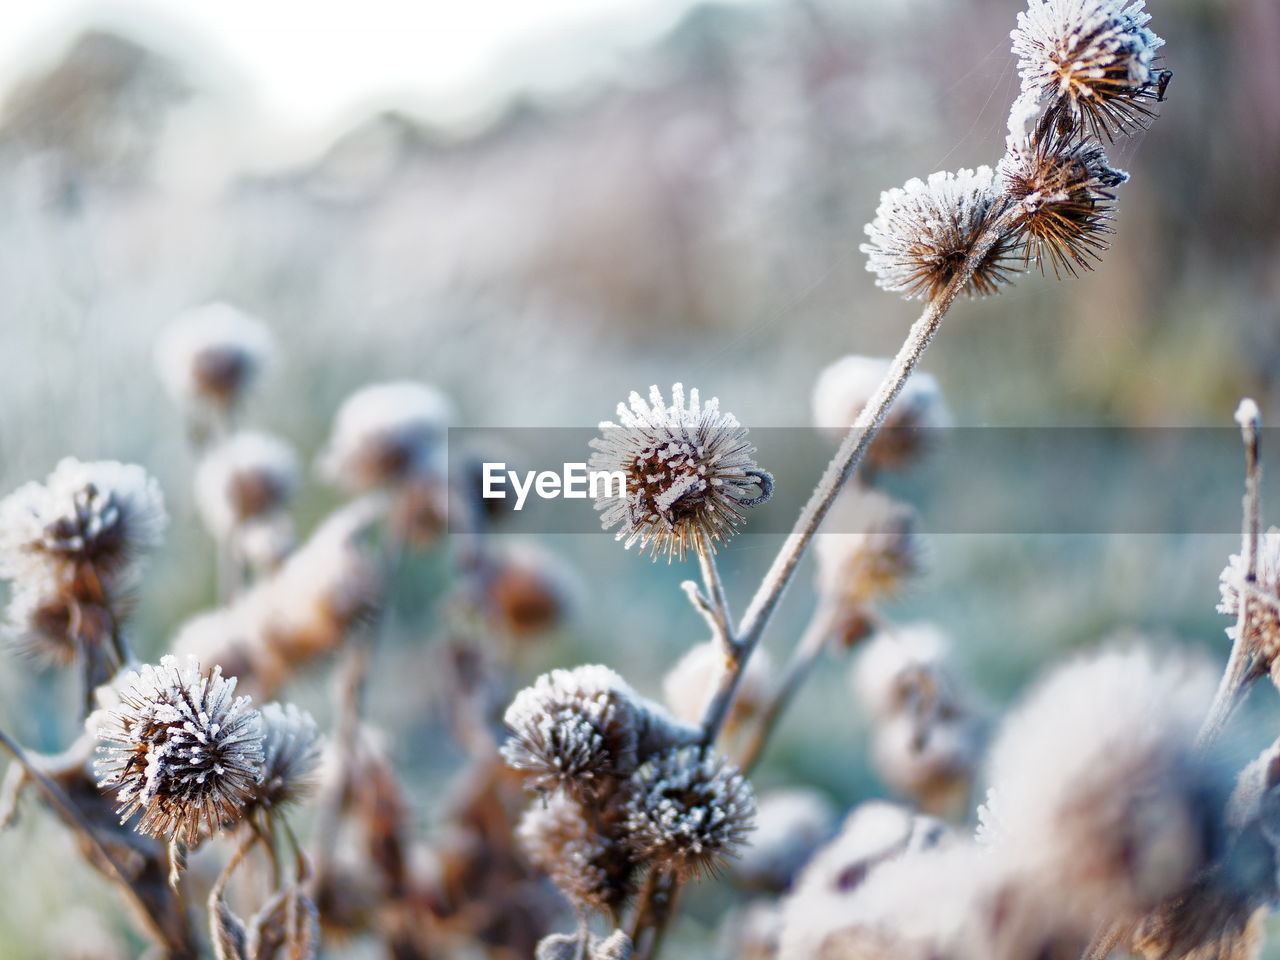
{"x":290,"y":756}
{"x":591,"y":869}
{"x":1262,"y":628}
{"x":212,"y":354}
{"x":87,"y":521}
{"x":845,"y":387}
{"x":1092,"y":62}
{"x":924,"y":232}
{"x":384,"y":434}
{"x":1063,"y":189}
{"x":179,"y":750}
{"x":246,"y":477}
{"x":688,"y":810}
{"x":575,"y":730}
{"x":40,"y":618}
{"x":689,"y":473}
{"x":1100,"y":799}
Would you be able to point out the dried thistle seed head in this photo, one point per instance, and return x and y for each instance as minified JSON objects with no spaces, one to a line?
{"x":291,"y":756}
{"x":45,"y":622}
{"x":1262,"y":627}
{"x":179,"y":750}
{"x":845,"y":387}
{"x":1100,"y":800}
{"x":529,"y":590}
{"x":689,"y":686}
{"x":211,"y":355}
{"x":1092,"y":62}
{"x":575,"y":730}
{"x":689,"y":473}
{"x":385,"y":434}
{"x":931,"y":756}
{"x":593,"y":870}
{"x":899,"y":669}
{"x":83,"y":527}
{"x":857,"y":570}
{"x":1063,"y":188}
{"x":688,"y":811}
{"x":924,"y":232}
{"x":247,"y":477}
{"x":566,"y":946}
{"x":874,"y":834}
{"x":791,"y":824}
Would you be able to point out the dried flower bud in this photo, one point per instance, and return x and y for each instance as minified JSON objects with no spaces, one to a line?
{"x":924,"y":232}
{"x":897,"y":669}
{"x":246,"y":477}
{"x":83,"y":527}
{"x":385,"y":434}
{"x":575,"y":730}
{"x":46,"y":623}
{"x":591,"y":868}
{"x":689,"y":473}
{"x":530,"y":590}
{"x":291,"y":756}
{"x":1063,"y":188}
{"x":858,"y":570}
{"x":180,"y":750}
{"x":1100,"y":800}
{"x":1092,"y":60}
{"x":212,"y":355}
{"x":843,"y":390}
{"x":791,"y":825}
{"x":690,"y":685}
{"x":688,"y":811}
{"x":1262,"y":628}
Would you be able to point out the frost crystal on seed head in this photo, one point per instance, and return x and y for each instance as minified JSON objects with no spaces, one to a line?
{"x":689,"y":473}
{"x":591,"y":869}
{"x":212,"y":354}
{"x":924,"y":232}
{"x":1091,"y":60}
{"x":574,"y":730}
{"x":688,"y":810}
{"x":179,"y":749}
{"x":97,"y":515}
{"x":1063,"y":188}
{"x":291,"y":755}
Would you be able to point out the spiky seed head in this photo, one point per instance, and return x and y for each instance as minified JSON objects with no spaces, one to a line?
{"x":46,"y":623}
{"x":925,"y":231}
{"x":575,"y":730}
{"x":688,"y":810}
{"x":1262,"y":627}
{"x":1091,"y":62}
{"x":291,"y":756}
{"x":246,"y":477}
{"x":1064,"y":188}
{"x":592,"y":869}
{"x":870,"y":555}
{"x":83,"y":527}
{"x":846,"y":386}
{"x":179,"y":750}
{"x":385,"y":434}
{"x":689,"y":472}
{"x":211,"y":355}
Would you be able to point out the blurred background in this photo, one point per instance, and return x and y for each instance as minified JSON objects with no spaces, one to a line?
{"x":540,"y":207}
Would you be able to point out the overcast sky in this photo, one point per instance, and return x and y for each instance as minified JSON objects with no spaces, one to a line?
{"x":313,"y":60}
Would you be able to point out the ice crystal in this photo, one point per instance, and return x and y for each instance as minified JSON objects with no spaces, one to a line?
{"x":1091,"y":61}
{"x":689,"y":810}
{"x":924,"y":232}
{"x":179,"y":750}
{"x":689,"y":472}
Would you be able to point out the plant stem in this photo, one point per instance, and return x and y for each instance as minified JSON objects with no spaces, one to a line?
{"x":807,"y":652}
{"x":1241,"y":671}
{"x":847,"y":457}
{"x":714,"y":586}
